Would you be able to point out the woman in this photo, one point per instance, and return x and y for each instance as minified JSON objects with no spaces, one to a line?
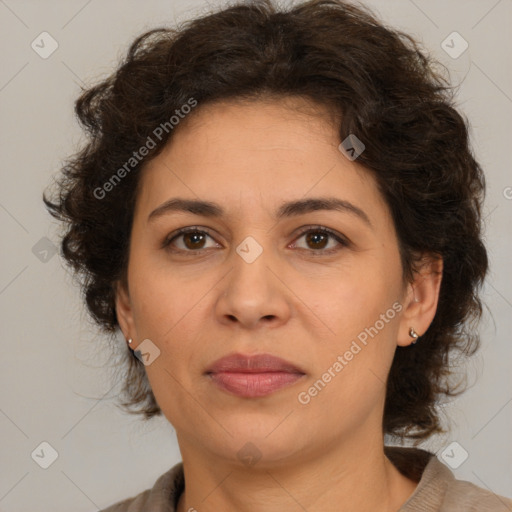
{"x":280,"y":211}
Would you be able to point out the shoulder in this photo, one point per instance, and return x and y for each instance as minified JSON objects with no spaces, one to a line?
{"x":468,"y":497}
{"x":160,"y":498}
{"x":129,"y":504}
{"x":438,"y":490}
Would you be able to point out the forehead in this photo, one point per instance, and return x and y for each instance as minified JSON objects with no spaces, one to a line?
{"x":258,"y":124}
{"x":254,"y":154}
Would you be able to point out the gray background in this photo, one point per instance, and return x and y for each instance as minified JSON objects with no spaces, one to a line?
{"x":55,"y":383}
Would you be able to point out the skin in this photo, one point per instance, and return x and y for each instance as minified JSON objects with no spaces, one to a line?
{"x":292,"y":301}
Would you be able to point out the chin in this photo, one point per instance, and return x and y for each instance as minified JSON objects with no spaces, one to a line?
{"x":258,"y":443}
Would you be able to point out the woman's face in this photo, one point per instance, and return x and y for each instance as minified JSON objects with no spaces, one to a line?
{"x":259,"y":278}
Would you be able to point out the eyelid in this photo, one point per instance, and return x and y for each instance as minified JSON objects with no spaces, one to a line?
{"x":183,"y":231}
{"x":341,"y":239}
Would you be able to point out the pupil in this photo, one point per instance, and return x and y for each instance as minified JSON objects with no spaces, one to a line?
{"x":196,"y":238}
{"x":314,"y":237}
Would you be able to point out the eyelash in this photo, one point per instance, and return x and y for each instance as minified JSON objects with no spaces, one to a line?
{"x":308,"y":229}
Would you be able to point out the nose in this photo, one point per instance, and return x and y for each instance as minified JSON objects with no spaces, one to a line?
{"x":252,"y":294}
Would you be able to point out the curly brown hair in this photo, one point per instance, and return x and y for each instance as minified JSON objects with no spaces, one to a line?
{"x":392,"y":95}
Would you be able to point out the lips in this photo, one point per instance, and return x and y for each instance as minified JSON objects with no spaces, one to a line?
{"x":253,"y":376}
{"x":258,"y":363}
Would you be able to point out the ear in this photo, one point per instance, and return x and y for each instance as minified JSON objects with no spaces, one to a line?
{"x":124,"y":311}
{"x":421,"y":298}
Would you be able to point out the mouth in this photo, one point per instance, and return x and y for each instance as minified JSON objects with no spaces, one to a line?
{"x":253,"y":376}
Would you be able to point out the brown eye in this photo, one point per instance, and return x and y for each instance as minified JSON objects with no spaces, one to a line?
{"x":187,"y":240}
{"x":317,"y":239}
{"x":194,"y":240}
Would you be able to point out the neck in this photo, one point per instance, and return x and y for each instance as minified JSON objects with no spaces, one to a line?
{"x":351,"y":476}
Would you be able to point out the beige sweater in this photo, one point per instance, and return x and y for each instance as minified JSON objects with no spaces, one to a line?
{"x":437,"y":490}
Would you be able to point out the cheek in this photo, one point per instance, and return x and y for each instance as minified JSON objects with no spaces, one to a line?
{"x":172,"y":314}
{"x":353,"y":297}
{"x":359,"y":304}
{"x":161,"y":296}
{"x":351,"y":368}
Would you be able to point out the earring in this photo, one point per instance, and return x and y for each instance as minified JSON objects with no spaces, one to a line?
{"x":413,"y":334}
{"x":129,"y":341}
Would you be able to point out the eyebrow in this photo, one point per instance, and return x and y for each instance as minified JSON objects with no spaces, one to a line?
{"x":286,"y":210}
